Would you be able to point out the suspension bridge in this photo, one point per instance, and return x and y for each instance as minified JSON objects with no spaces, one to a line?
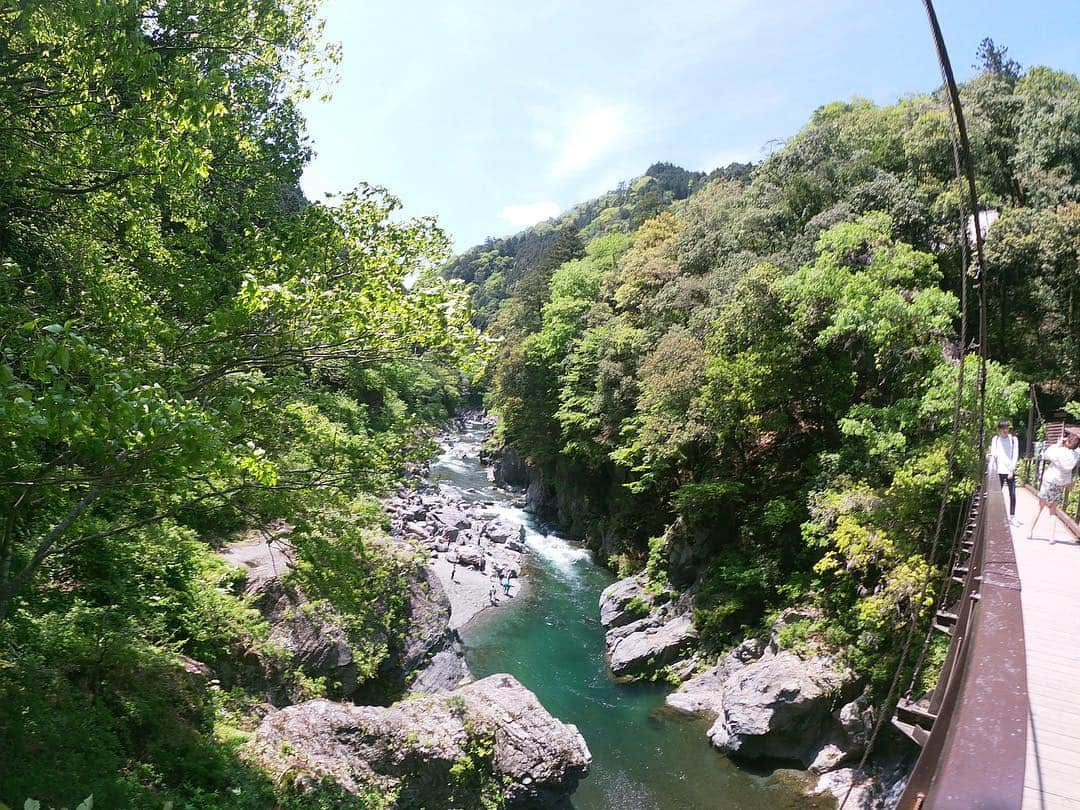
{"x":1002,"y":727}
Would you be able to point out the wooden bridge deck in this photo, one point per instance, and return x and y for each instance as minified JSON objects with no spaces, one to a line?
{"x":1050,"y":577}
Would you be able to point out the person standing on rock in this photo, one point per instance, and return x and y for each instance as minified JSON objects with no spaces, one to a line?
{"x":506,"y":586}
{"x":491,"y":594}
{"x":453,"y":572}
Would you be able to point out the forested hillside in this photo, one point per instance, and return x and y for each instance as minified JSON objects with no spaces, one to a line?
{"x":740,"y":382}
{"x":749,"y":391}
{"x":189,"y":350}
{"x":499,"y":266}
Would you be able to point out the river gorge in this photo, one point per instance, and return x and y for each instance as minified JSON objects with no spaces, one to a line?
{"x":550,"y":639}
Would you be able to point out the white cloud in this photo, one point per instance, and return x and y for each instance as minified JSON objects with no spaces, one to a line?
{"x":525,"y":214}
{"x":589,"y":137}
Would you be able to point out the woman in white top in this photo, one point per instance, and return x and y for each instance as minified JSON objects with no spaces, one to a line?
{"x":1004,"y":453}
{"x":1061,"y":460}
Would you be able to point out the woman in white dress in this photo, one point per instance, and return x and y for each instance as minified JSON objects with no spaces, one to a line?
{"x":1061,"y":461}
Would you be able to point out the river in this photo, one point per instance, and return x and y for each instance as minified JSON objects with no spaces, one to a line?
{"x":550,"y":639}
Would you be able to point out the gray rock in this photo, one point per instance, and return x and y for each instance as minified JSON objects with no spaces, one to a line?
{"x":410,"y":747}
{"x":701,"y":694}
{"x":471,"y":556}
{"x":539,"y":497}
{"x":615,"y":601}
{"x":500,"y":531}
{"x":416,"y":529}
{"x":828,"y":758}
{"x":617,"y":634}
{"x":427,"y":612}
{"x":445,"y":671}
{"x":451,"y":517}
{"x":857,"y":721}
{"x":749,"y":649}
{"x":779,"y":707}
{"x":312,"y":638}
{"x":509,"y":468}
{"x":879,"y":788}
{"x":649,"y":648}
{"x":769,"y":703}
{"x":853,"y":724}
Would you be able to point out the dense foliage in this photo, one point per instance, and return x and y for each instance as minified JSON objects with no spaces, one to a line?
{"x":187,"y":349}
{"x":750,"y":390}
{"x":742,"y":381}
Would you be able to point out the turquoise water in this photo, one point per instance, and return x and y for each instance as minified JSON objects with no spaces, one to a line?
{"x":550,"y":639}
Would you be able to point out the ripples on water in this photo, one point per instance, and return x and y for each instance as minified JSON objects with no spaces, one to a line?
{"x":550,"y":638}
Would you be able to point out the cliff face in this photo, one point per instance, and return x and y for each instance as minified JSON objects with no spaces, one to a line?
{"x":307,"y":638}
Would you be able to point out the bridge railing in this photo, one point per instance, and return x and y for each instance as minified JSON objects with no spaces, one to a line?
{"x":973,"y":726}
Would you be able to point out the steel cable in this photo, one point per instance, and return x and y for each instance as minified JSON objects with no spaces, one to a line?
{"x":961,"y":146}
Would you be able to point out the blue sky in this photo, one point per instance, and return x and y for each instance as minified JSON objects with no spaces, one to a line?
{"x":494,"y":115}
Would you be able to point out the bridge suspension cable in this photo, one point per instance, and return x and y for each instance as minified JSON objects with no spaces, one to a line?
{"x":964,"y":169}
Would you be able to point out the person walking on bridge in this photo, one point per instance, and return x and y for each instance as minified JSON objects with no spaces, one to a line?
{"x":1004,"y":454}
{"x":1061,"y":461}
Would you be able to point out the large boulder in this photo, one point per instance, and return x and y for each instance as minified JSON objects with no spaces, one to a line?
{"x":471,"y":556}
{"x":509,"y":468}
{"x":499,"y":530}
{"x":878,"y":788}
{"x":643,"y":647}
{"x":408,"y":752}
{"x":309,"y":636}
{"x":416,"y":529}
{"x":780,"y":707}
{"x":446,"y":670}
{"x":700,"y":695}
{"x":850,"y":734}
{"x":769,"y":703}
{"x":649,"y":634}
{"x":624,"y":602}
{"x":312,"y":639}
{"x":540,"y":499}
{"x":426,"y":637}
{"x":703,"y":693}
{"x":450,"y":516}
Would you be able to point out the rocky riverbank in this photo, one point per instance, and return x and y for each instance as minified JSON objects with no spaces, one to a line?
{"x":469,"y":547}
{"x":452,"y":741}
{"x":767,"y":704}
{"x":468,"y":544}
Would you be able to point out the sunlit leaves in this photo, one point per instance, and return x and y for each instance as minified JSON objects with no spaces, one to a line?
{"x":169,"y":300}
